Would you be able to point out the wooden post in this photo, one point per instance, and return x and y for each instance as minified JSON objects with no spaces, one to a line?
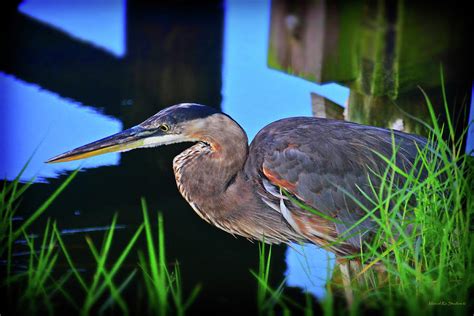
{"x":384,"y":51}
{"x":307,"y":39}
{"x":325,"y":108}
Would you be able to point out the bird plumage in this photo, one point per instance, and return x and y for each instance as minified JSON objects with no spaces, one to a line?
{"x":325,"y":164}
{"x":322,"y":163}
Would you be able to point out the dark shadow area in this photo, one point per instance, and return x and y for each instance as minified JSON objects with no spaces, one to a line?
{"x":174,"y":54}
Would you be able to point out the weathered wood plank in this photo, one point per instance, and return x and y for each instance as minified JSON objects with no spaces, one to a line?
{"x":314,"y":39}
{"x":380,"y":48}
{"x":325,"y":108}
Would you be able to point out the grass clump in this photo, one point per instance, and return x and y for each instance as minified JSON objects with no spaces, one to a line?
{"x":274,"y":301}
{"x":161,"y":283}
{"x":103,"y":277}
{"x":420,"y":260}
{"x":40,"y":286}
{"x":424,"y":238}
{"x":32,"y":285}
{"x":267,"y":297}
{"x":10,"y":196}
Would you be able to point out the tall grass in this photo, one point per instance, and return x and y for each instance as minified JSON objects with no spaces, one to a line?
{"x":103,"y":278}
{"x":10,"y":196}
{"x":424,"y":238}
{"x":273,"y":301}
{"x":38,"y":289}
{"x":421,"y":259}
{"x":267,"y":297}
{"x":161,"y":283}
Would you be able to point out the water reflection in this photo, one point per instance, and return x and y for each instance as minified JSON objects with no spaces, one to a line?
{"x":100,"y":23}
{"x":309,"y":267}
{"x":71,"y":231}
{"x":253,"y":94}
{"x":470,"y":134}
{"x":38,"y":123}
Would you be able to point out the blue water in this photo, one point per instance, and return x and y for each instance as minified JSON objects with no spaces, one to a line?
{"x":253,"y":94}
{"x":40,"y":124}
{"x":101,"y":23}
{"x":470,"y":133}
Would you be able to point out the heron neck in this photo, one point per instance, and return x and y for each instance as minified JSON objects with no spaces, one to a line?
{"x":206,"y":170}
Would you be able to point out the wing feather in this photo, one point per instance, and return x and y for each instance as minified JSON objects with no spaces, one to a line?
{"x":323,"y":163}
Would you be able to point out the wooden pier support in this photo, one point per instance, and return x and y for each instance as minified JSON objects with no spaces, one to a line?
{"x":384,"y":51}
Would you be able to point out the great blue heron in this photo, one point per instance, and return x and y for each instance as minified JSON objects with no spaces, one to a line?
{"x":257,"y":191}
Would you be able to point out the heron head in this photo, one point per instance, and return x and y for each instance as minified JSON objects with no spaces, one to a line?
{"x":185,"y":122}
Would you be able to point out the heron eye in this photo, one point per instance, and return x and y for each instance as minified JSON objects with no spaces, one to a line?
{"x":164,"y":127}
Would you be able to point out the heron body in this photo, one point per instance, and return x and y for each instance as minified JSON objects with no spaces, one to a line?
{"x":257,"y":191}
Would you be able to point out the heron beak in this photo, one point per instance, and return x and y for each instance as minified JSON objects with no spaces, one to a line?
{"x":126,"y":140}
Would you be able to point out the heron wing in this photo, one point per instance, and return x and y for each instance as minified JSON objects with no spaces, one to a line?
{"x":325,"y":164}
